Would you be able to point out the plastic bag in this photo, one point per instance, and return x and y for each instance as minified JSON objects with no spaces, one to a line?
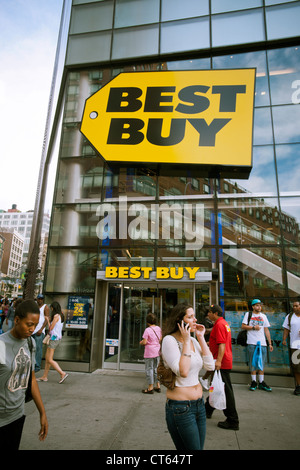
{"x":217,"y":398}
{"x":257,"y":361}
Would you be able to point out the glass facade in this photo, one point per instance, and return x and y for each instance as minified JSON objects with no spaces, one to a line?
{"x":251,"y":226}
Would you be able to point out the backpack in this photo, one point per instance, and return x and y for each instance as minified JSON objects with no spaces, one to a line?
{"x":242,"y":336}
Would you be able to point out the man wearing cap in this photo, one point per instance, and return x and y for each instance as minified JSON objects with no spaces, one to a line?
{"x":291,"y":327}
{"x":257,"y":330}
{"x":39,"y":332}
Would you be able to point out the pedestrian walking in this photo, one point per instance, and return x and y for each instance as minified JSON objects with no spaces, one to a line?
{"x":16,"y":363}
{"x":55,"y":333}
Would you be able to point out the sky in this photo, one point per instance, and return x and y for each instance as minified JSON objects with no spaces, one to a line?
{"x":28,"y":39}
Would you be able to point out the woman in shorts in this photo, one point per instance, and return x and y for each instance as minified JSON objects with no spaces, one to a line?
{"x":56,"y":325}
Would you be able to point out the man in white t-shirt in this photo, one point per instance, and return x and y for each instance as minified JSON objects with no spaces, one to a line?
{"x":257,"y":330}
{"x":291,"y":327}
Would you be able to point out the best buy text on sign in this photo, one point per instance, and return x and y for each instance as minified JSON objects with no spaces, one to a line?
{"x":186,"y":117}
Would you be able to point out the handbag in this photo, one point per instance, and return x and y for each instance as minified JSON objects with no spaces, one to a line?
{"x":242,"y":336}
{"x":46,"y":340}
{"x":165,"y":375}
{"x":28,"y":394}
{"x":217,"y":397}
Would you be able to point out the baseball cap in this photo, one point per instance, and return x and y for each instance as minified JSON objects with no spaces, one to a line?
{"x":255,"y":301}
{"x":40,"y":296}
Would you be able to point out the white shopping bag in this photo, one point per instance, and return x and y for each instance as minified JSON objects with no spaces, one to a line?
{"x":217,"y":398}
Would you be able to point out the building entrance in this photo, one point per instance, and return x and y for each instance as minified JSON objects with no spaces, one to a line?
{"x":127,"y":307}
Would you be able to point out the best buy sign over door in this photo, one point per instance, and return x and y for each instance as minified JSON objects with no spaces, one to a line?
{"x":186,"y":119}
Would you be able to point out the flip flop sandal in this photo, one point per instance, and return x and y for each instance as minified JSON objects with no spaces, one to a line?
{"x":147,"y":391}
{"x":157,"y":389}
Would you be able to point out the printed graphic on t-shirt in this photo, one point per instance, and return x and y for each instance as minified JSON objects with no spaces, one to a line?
{"x":21,"y":372}
{"x":258,"y":320}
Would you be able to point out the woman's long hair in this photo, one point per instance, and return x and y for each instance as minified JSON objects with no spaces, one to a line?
{"x":56,"y":309}
{"x":175,"y":317}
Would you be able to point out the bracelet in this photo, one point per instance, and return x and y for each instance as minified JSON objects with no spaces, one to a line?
{"x":187,"y":355}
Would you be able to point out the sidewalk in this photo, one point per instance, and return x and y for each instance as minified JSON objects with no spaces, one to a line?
{"x":106,"y":410}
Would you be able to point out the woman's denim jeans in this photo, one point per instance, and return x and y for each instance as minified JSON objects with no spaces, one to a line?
{"x":186,"y":421}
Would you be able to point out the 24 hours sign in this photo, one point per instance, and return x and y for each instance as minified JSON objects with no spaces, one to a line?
{"x":186,"y":119}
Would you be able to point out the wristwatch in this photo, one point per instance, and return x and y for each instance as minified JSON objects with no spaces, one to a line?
{"x":253,"y":327}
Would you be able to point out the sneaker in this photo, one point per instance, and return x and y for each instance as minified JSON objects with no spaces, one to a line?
{"x":204,"y":383}
{"x":264,"y":386}
{"x":226,"y":425}
{"x":253,"y":385}
{"x":297,"y":390}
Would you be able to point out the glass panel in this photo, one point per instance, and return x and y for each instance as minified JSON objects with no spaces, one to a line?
{"x":276,"y":310}
{"x":79,"y":179}
{"x":249,"y":221}
{"x":135,"y":42}
{"x":92,"y":47}
{"x":248,"y":60}
{"x":137,"y":303}
{"x":177,"y":9}
{"x":275,"y":2}
{"x":136,"y":12}
{"x":172,"y":258}
{"x":185,"y":35}
{"x":71,"y":270}
{"x":74,"y":226}
{"x":288,"y":158}
{"x":262,"y":178}
{"x":253,"y":272}
{"x":218,"y":6}
{"x":126,"y":257}
{"x":292,"y":258}
{"x":186,"y":186}
{"x":76,"y":343}
{"x":290,"y":218}
{"x":282,"y":21}
{"x":262,"y":127}
{"x":112,"y":323}
{"x":286,"y":123}
{"x":284,"y":70}
{"x":237,"y":28}
{"x":95,"y":17}
{"x":193,"y":64}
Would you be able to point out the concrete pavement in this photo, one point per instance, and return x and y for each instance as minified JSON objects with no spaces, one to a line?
{"x":105,"y":410}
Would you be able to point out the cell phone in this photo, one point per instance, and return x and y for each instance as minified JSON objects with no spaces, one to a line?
{"x":185,"y":324}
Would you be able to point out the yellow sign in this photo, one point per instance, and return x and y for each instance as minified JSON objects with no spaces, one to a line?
{"x":161,"y":272}
{"x":184,"y":118}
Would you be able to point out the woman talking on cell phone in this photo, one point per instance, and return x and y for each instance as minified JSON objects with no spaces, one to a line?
{"x":186,"y":356}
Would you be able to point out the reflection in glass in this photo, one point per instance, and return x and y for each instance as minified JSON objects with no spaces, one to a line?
{"x":193,"y":64}
{"x":262,"y":177}
{"x":185,"y":35}
{"x":134,"y":42}
{"x":250,"y":59}
{"x":284,"y":69}
{"x":237,"y":28}
{"x":262,"y":127}
{"x":282,"y":21}
{"x":290,"y":218}
{"x":288,"y":158}
{"x":246,"y":221}
{"x":177,"y":9}
{"x":219,"y":6}
{"x":286,"y":123}
{"x":292,"y":259}
{"x":133,"y":13}
{"x":253,"y":272}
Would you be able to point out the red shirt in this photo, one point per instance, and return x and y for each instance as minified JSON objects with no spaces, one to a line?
{"x":221,"y":334}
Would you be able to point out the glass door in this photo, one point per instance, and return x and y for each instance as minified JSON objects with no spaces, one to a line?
{"x":138,"y":301}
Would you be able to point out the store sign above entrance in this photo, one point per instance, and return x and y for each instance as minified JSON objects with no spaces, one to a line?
{"x":175,"y":120}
